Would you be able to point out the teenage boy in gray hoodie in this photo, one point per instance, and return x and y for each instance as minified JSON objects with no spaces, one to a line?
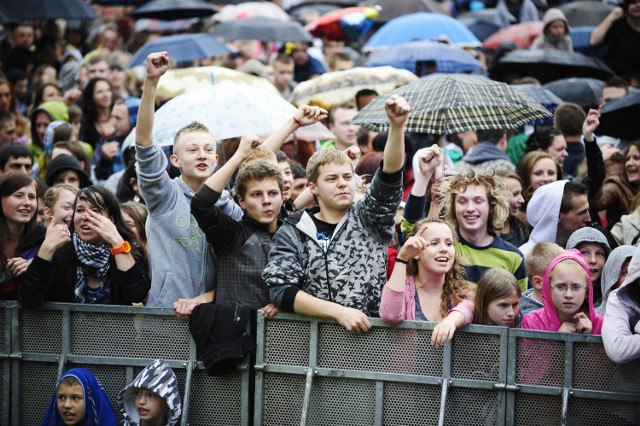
{"x":153,"y":398}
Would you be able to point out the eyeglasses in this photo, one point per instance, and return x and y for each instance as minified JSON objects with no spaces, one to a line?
{"x":575,"y":288}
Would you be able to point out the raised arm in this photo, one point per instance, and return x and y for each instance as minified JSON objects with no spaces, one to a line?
{"x":218,"y":181}
{"x":600,"y":32}
{"x":397,"y":110}
{"x":304,"y":116}
{"x":157,"y":65}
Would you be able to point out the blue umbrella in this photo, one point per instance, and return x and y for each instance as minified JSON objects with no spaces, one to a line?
{"x":181,"y":48}
{"x":421,"y":26}
{"x":410,"y":56}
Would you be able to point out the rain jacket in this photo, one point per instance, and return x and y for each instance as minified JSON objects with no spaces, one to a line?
{"x":156,"y":377}
{"x":621,"y":330}
{"x":626,"y":231}
{"x":611,"y":272}
{"x":543,"y":211}
{"x":97,"y":408}
{"x":486,"y":155}
{"x":57,"y":111}
{"x":398,"y":306}
{"x":546,"y":318}
{"x":544,"y":41}
{"x":353,"y":269}
{"x":182,"y":262}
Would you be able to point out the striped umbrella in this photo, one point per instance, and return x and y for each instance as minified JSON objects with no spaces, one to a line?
{"x":446,"y":103}
{"x":446,"y":58}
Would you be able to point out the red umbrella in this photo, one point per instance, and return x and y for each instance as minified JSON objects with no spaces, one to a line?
{"x":328,"y":25}
{"x":521,"y":34}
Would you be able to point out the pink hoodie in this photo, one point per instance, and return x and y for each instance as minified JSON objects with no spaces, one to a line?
{"x":546,"y":318}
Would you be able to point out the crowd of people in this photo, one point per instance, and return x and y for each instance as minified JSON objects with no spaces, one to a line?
{"x":535,"y":227}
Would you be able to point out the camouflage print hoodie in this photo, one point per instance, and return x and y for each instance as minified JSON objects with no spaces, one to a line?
{"x":159,"y":378}
{"x":352,"y":269}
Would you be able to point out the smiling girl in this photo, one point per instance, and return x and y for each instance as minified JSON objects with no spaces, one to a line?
{"x":427,"y":282}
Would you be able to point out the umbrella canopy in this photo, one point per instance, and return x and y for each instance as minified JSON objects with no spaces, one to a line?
{"x":522,"y":35}
{"x":420,"y":26}
{"x":178,"y":81}
{"x":229,"y":112}
{"x":181,"y":48}
{"x":446,"y":103}
{"x":162,"y":26}
{"x":619,"y":117}
{"x":582,"y":91}
{"x":391,"y":9}
{"x":338,"y":87}
{"x":19,"y":11}
{"x":482,"y":23}
{"x":174,"y":9}
{"x":412,"y":56}
{"x":331,"y":25}
{"x":545,"y":97}
{"x":586,"y":13}
{"x":251,"y":10}
{"x":264,"y":29}
{"x":549,"y":65}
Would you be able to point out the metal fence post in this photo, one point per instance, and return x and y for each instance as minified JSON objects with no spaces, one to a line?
{"x":313,"y":362}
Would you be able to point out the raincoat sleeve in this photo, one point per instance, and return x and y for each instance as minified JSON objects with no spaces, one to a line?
{"x":621,"y":343}
{"x":595,"y":168}
{"x":284,"y":273}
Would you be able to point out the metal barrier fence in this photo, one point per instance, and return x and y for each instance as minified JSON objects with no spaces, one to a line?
{"x":310,"y":371}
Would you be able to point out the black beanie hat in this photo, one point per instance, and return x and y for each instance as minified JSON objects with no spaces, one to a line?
{"x":63,"y":163}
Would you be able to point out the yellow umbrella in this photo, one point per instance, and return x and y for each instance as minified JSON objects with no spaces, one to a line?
{"x":178,"y":81}
{"x":335,"y":88}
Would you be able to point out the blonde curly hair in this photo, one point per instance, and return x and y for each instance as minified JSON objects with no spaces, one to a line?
{"x":497,"y":193}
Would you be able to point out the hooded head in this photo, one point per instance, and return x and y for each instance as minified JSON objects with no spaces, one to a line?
{"x":581,"y":239}
{"x":158,"y":378}
{"x":611,"y":272}
{"x":54,"y":111}
{"x":552,"y":319}
{"x":543,"y":212}
{"x":552,"y":15}
{"x":97,"y":408}
{"x":629,"y":291}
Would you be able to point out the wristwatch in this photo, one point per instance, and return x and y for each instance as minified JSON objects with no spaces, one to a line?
{"x":125,"y":247}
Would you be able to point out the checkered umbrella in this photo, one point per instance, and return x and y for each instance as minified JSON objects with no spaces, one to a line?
{"x":446,"y":103}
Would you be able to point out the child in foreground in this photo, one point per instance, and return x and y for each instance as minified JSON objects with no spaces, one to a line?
{"x":567,"y":294}
{"x":152,"y":399}
{"x":497,"y":299}
{"x":79,"y":399}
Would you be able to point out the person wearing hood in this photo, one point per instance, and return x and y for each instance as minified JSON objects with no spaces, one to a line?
{"x":489,"y":153}
{"x":595,"y":249}
{"x":614,"y":272}
{"x":555,"y":34}
{"x":79,"y":399}
{"x":567,"y":294}
{"x":555,"y":211}
{"x":40,"y":119}
{"x":153,"y":398}
{"x":621,"y":330}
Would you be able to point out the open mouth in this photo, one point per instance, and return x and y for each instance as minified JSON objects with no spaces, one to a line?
{"x":202,"y":166}
{"x":471,"y":218}
{"x":442,"y":260}
{"x":24,"y":211}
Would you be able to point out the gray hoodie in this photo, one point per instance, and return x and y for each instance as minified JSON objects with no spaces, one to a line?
{"x":611,"y":272}
{"x":159,"y":378}
{"x":543,"y":212}
{"x":590,"y":235}
{"x":528,"y":303}
{"x":182,"y":263}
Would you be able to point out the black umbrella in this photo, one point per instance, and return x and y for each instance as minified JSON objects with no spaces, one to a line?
{"x":586,"y":13}
{"x":170,"y":10}
{"x":390,"y":9}
{"x":21,"y":10}
{"x":265,"y":29}
{"x":549,"y":65}
{"x":481,"y":23}
{"x":582,"y":91}
{"x":619,"y":117}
